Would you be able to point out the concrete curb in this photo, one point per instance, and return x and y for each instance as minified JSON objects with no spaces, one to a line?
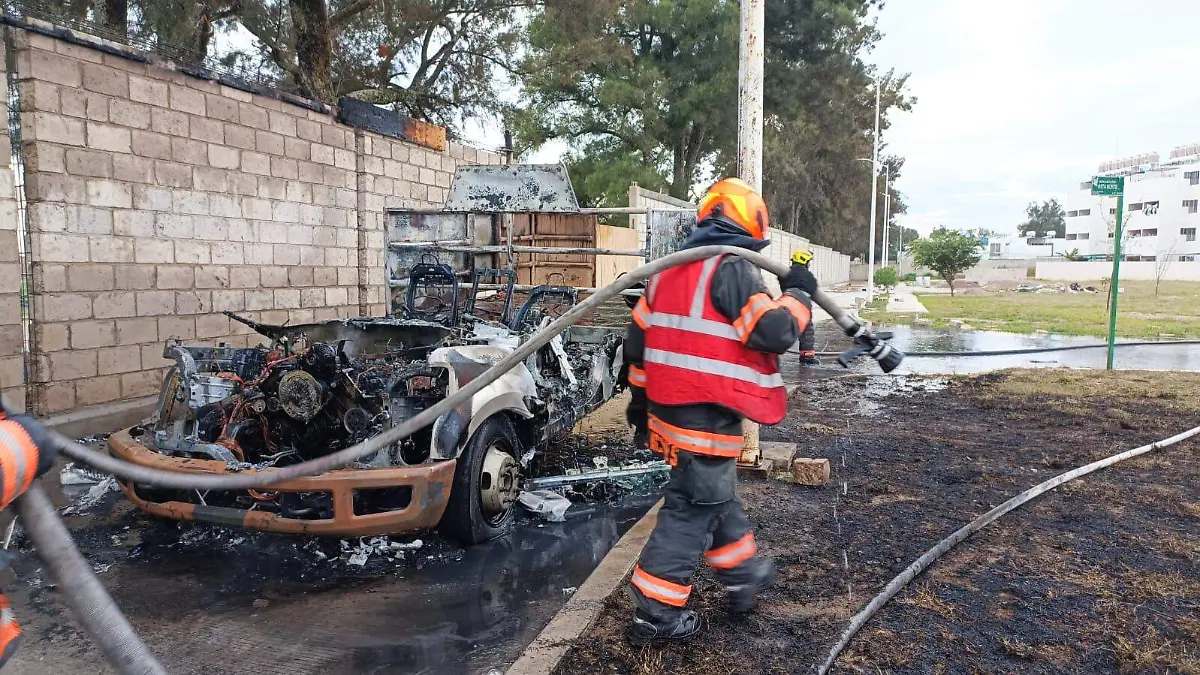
{"x":543,"y":654}
{"x":99,"y":419}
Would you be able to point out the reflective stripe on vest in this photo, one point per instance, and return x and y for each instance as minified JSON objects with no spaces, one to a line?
{"x":18,"y":460}
{"x":699,"y":442}
{"x":700,"y":364}
{"x":637,"y":377}
{"x":656,"y":588}
{"x":732,"y":555}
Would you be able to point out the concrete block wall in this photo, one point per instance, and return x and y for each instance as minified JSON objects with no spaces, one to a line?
{"x":12,"y":362}
{"x":157,"y":200}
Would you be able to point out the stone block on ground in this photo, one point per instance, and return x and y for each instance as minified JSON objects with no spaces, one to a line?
{"x":807,"y":471}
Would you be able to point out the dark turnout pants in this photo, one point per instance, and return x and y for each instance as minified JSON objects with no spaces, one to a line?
{"x":808,"y":341}
{"x":700,"y":516}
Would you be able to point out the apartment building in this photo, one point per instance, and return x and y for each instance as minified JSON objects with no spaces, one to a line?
{"x":1161,"y":209}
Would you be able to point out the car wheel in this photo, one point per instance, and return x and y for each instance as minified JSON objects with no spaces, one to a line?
{"x":487,"y":481}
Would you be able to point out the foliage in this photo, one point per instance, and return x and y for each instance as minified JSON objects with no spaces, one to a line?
{"x":909,"y":276}
{"x":948,"y":253}
{"x":886,"y":276}
{"x":1073,"y":255}
{"x":1045,"y":217}
{"x":899,"y":238}
{"x":648,"y":89}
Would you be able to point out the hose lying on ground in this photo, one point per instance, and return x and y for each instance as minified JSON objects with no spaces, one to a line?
{"x":927,"y":558}
{"x":197,"y":481}
{"x":1033,"y":350}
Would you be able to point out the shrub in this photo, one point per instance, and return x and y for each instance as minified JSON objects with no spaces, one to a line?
{"x":886,"y":276}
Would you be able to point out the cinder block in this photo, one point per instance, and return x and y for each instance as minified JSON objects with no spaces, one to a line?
{"x":155,"y":303}
{"x":194,"y":252}
{"x":229,"y":253}
{"x":336,"y":296}
{"x":170,"y":122}
{"x":272,"y":188}
{"x":87,"y":334}
{"x":193,"y":302}
{"x":45,"y":158}
{"x":136,"y":331}
{"x":300,"y":276}
{"x":142,"y":383}
{"x":268,"y":142}
{"x":151,"y":198}
{"x":55,"y":128}
{"x":190,"y":202}
{"x":312,"y":297}
{"x":260,"y":254}
{"x":212,"y":180}
{"x":228,"y":301}
{"x":223,"y":157}
{"x":129,"y":114}
{"x":133,"y":169}
{"x":60,"y":248}
{"x":113,"y":305}
{"x":52,"y":337}
{"x":297,"y":148}
{"x":224,"y":205}
{"x":88,"y":220}
{"x":321,"y":154}
{"x":150,"y":144}
{"x":283,"y":167}
{"x":109,"y":138}
{"x":57,"y":397}
{"x":114,"y":360}
{"x":38,"y":95}
{"x":154,"y":251}
{"x":187,"y":151}
{"x":807,"y":471}
{"x":174,"y":225}
{"x":83,"y":104}
{"x":105,"y":80}
{"x":212,"y":276}
{"x":187,"y":99}
{"x":208,"y":130}
{"x":274,"y":277}
{"x":221,"y":108}
{"x":239,"y":137}
{"x":72,"y":364}
{"x":82,"y":162}
{"x":256,"y":163}
{"x":283,"y":123}
{"x":182,"y":327}
{"x":260,"y":299}
{"x":308,"y":130}
{"x":212,"y":325}
{"x":42,"y":65}
{"x":254,"y":116}
{"x":47,"y":279}
{"x":101,"y":192}
{"x":97,"y":390}
{"x":90,"y":278}
{"x":172,"y":174}
{"x":312,"y":256}
{"x":172,"y":277}
{"x":110,"y":249}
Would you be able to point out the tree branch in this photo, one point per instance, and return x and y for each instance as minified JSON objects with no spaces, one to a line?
{"x":350,"y":11}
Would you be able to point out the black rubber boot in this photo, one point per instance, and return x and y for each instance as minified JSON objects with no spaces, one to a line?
{"x":744,"y":597}
{"x":646,"y":630}
{"x":809,"y":360}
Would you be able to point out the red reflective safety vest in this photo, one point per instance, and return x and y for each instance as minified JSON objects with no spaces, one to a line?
{"x":693,"y":354}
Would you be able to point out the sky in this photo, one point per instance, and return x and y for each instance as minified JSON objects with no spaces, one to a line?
{"x":1022,"y":100}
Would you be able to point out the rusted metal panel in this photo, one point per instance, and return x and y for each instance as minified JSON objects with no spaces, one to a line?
{"x":668,"y":229}
{"x":390,"y":123}
{"x":430,"y":485}
{"x":513,"y":188}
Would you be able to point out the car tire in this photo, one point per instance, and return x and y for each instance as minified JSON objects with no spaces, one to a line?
{"x":467,"y":517}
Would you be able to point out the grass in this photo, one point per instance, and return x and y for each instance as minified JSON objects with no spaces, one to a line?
{"x":1096,"y":387}
{"x":1175,"y":311}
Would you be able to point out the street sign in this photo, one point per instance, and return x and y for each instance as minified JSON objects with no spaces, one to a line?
{"x":1108,"y":186}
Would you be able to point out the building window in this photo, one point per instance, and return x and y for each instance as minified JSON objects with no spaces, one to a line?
{"x":1085,"y":212}
{"x":1110,"y":235}
{"x":1152,"y":232}
{"x":1192,"y":177}
{"x":1084,"y":235}
{"x":995,"y":249}
{"x":1112,"y":212}
{"x":1136,"y":206}
{"x":1071,"y":236}
{"x":1150,"y":208}
{"x":1087,"y":185}
{"x":1187,"y":258}
{"x":1135,"y":233}
{"x":1189,"y":233}
{"x":1072,"y":214}
{"x":1190,"y":205}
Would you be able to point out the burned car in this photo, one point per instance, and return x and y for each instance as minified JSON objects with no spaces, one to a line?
{"x":317,"y":388}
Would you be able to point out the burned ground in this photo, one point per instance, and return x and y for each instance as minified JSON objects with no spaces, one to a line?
{"x":1101,"y":575}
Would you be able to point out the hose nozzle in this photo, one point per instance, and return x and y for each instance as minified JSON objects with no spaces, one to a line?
{"x":875,"y":345}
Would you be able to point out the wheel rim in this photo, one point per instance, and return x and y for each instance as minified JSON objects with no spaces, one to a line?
{"x":500,"y":482}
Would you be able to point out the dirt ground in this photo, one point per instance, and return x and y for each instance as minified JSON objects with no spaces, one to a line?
{"x":1101,"y":575}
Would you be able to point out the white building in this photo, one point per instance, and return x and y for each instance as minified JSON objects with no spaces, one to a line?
{"x":1026,"y":247}
{"x":1161,"y":215}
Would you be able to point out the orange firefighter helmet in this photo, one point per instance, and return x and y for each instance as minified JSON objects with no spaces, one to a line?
{"x":737,"y":203}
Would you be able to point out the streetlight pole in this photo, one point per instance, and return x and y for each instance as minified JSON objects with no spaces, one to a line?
{"x":874,"y":201}
{"x":887,"y":210}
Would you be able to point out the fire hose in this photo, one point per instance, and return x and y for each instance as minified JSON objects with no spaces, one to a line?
{"x":109,"y":628}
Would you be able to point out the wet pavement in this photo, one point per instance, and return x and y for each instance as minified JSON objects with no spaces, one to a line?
{"x":213,"y":600}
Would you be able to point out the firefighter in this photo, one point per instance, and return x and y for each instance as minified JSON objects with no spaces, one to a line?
{"x":25,"y":453}
{"x":808,"y":339}
{"x":703,"y":354}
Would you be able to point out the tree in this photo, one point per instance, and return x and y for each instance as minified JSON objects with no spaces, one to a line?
{"x":1162,"y":262}
{"x":1045,"y":217}
{"x":437,"y":60}
{"x":947,"y":252}
{"x":886,"y":276}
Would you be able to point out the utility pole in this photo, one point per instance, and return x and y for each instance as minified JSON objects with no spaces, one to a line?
{"x":750,"y":140}
{"x":874,"y":201}
{"x":1113,"y":186}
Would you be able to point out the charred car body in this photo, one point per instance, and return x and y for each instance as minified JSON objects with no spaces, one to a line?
{"x":317,"y":388}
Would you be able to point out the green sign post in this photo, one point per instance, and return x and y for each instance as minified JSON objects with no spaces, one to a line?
{"x":1113,"y":186}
